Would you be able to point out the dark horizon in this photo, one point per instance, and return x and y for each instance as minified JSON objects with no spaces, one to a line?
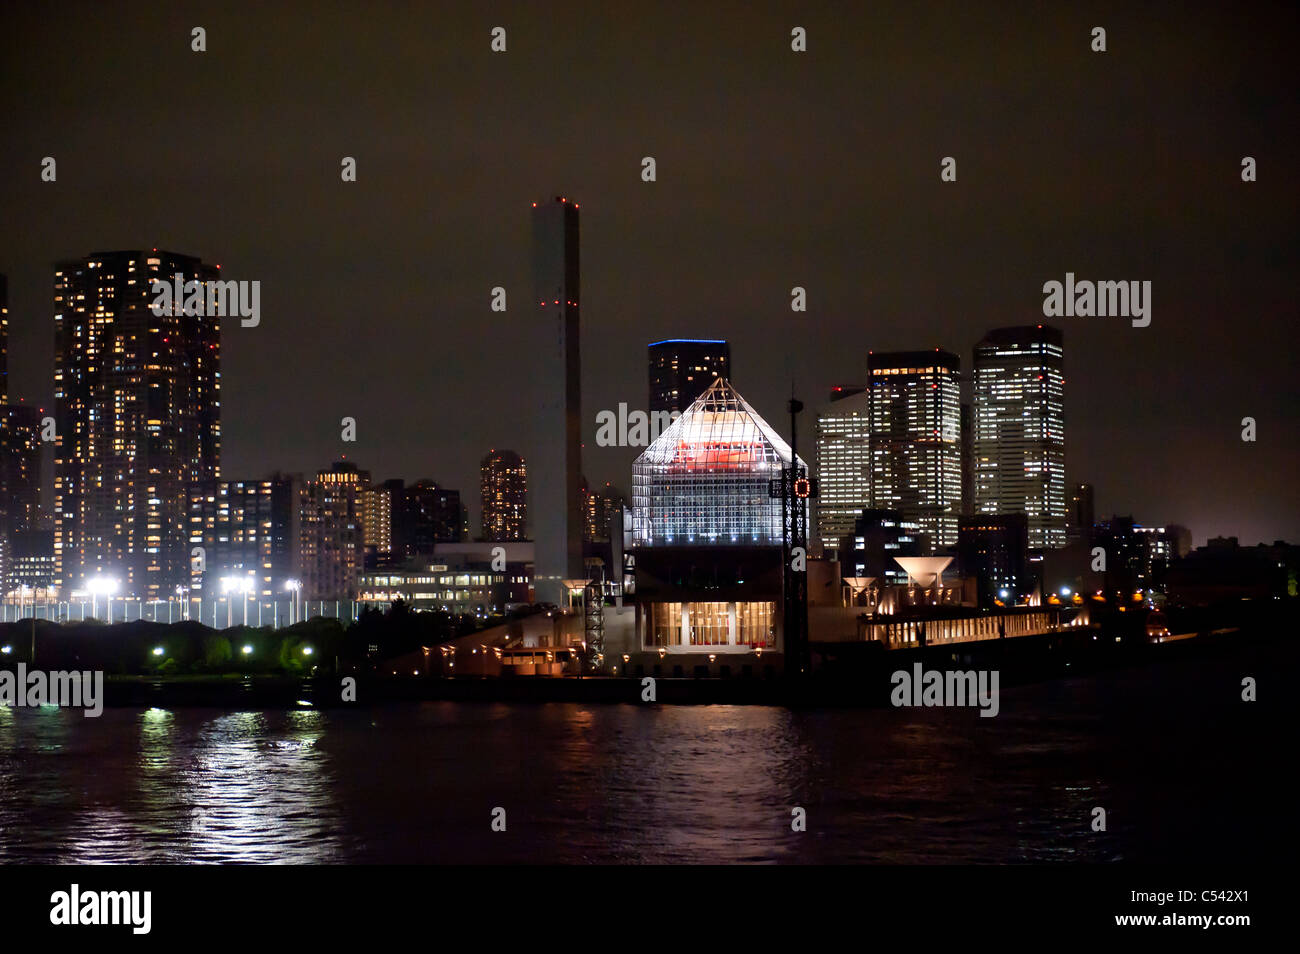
{"x":775,"y":169}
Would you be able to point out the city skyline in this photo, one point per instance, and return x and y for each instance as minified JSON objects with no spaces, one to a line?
{"x":684,"y":434}
{"x":969,"y":393}
{"x":736,"y":217}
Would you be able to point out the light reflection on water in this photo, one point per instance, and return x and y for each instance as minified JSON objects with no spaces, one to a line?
{"x":164,"y":786}
{"x":417,"y":782}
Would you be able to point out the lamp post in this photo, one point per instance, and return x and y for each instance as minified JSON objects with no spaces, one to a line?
{"x":248,"y":586}
{"x":97,"y":585}
{"x":228,"y":583}
{"x":294,"y":587}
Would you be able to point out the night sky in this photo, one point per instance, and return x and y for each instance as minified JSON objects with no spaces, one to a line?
{"x":775,"y":169}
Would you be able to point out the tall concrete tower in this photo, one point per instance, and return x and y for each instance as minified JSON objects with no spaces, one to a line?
{"x":555,"y":469}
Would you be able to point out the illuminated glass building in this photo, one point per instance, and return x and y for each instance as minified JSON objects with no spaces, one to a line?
{"x":707,"y":538}
{"x":138,"y":418}
{"x":504,"y":486}
{"x":915,"y":418}
{"x":843,"y":463}
{"x":681,"y":368}
{"x":1019,"y":440}
{"x":705,"y":479}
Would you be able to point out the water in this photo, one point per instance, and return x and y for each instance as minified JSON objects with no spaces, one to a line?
{"x":1186,"y":771}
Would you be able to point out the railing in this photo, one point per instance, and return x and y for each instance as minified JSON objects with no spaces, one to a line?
{"x":218,"y":613}
{"x":908,"y":632}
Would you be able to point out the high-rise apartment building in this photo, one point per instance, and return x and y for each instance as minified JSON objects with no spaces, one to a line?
{"x":20,"y":486}
{"x":330,"y":540}
{"x":915,"y":419}
{"x":138,"y":419}
{"x":429,"y":514}
{"x":1019,"y":439}
{"x":603,"y":509}
{"x":20,"y":472}
{"x":378,"y":504}
{"x":248,"y":529}
{"x":504,"y":484}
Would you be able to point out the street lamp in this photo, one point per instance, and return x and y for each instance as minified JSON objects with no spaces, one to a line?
{"x":227,"y":584}
{"x":247,"y":587}
{"x":97,"y":585}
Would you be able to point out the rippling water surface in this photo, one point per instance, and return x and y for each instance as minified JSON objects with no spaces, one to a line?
{"x":1185,"y":770}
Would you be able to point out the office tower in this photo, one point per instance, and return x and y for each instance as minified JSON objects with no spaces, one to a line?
{"x":330,"y":540}
{"x":138,"y":418}
{"x":1136,"y":556}
{"x":915,"y":424}
{"x":248,"y":529}
{"x":876,"y":538}
{"x":1082,"y":513}
{"x":843,"y":439}
{"x":555,"y":510}
{"x":681,"y":369}
{"x":967,"y":458}
{"x":994,"y":549}
{"x":504,"y":482}
{"x":1019,"y":442}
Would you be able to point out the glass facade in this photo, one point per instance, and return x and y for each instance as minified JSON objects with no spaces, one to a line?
{"x":915,"y":419}
{"x":718,"y":624}
{"x":843,"y":464}
{"x":1019,"y":441}
{"x":705,"y":480}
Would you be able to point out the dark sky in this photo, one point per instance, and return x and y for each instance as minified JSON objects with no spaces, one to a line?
{"x":775,"y":169}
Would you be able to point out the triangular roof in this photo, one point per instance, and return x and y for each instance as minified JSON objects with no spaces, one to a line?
{"x":719,"y":431}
